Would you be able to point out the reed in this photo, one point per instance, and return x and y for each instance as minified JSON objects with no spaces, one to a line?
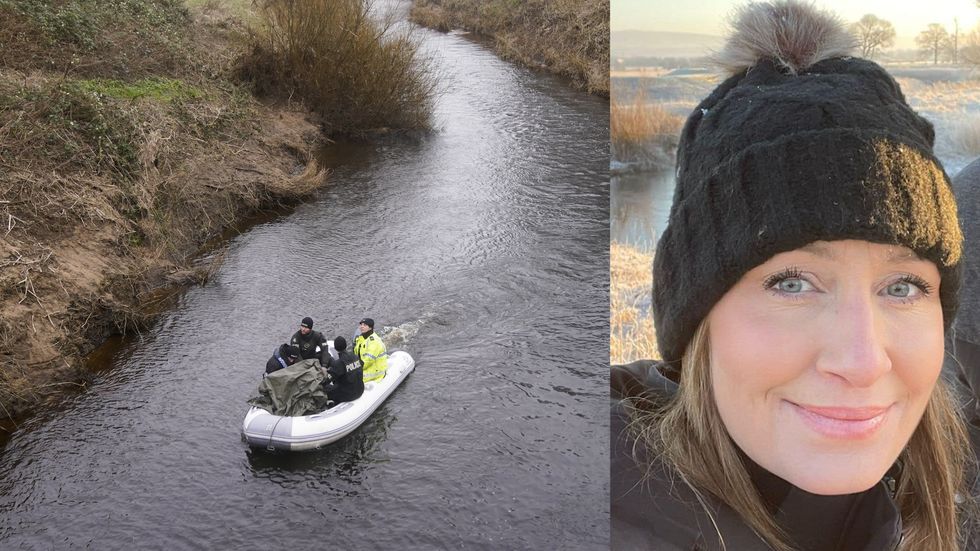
{"x":642,"y":132}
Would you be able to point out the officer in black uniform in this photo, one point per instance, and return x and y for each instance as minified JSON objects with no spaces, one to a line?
{"x":311,"y":343}
{"x":346,"y":375}
{"x":282,"y":357}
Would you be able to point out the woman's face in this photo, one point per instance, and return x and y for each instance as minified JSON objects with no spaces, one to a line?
{"x":823,"y":360}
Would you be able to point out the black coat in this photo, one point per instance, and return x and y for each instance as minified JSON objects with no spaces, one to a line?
{"x":659,"y":511}
{"x":273,"y":363}
{"x":347,"y":374}
{"x":309,"y":345}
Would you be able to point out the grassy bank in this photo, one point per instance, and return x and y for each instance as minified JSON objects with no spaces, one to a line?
{"x":568,"y":37}
{"x":632,"y":335}
{"x":128,"y":138}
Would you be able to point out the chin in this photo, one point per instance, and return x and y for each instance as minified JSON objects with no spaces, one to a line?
{"x":837,"y":476}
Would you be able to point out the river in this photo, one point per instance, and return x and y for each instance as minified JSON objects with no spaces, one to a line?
{"x":481,"y":249}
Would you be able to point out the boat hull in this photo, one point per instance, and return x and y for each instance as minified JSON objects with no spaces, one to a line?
{"x":261,"y":429}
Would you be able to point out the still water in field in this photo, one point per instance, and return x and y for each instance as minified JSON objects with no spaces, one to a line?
{"x":482,"y":250}
{"x":639,"y":205}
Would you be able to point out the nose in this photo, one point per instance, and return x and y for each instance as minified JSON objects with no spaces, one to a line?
{"x":855,"y":346}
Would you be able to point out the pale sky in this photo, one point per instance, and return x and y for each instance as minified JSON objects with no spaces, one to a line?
{"x":709,"y":16}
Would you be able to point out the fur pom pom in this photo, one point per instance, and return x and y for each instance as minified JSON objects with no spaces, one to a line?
{"x":796,"y":34}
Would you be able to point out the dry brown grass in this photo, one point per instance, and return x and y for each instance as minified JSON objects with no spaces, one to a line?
{"x":568,"y":37}
{"x":345,"y":61}
{"x":630,"y":316}
{"x":641,"y":132}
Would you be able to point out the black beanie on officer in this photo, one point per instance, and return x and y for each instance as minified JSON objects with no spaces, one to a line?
{"x":801,"y":143}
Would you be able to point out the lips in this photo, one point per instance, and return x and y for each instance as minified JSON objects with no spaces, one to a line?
{"x":840,"y":422}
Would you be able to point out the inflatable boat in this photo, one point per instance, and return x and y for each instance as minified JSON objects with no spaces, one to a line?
{"x":262,"y":429}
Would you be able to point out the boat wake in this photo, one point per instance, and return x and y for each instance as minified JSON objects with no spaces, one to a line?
{"x":400,"y":335}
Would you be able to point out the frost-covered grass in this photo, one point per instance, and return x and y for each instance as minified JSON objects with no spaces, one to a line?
{"x":953,"y":107}
{"x":632,"y":335}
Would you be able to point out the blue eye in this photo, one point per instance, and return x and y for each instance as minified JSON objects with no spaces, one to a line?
{"x":903,"y":289}
{"x":788,"y":282}
{"x":792,"y":285}
{"x":908,"y":287}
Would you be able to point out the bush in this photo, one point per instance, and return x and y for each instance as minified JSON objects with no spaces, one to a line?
{"x":351,"y":67}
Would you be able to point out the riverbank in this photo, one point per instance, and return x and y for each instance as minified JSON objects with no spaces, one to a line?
{"x":568,"y":38}
{"x":121,"y":154}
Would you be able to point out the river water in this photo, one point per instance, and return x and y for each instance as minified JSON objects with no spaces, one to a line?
{"x":482,"y":250}
{"x":639,"y":205}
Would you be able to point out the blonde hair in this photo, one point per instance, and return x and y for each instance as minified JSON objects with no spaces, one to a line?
{"x":687,"y":434}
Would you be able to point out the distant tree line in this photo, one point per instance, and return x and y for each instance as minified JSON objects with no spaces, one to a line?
{"x":623,"y":63}
{"x":873,"y":35}
{"x":935,"y":42}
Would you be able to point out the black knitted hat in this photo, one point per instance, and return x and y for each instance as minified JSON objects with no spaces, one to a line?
{"x":339,"y":344}
{"x":801,"y":143}
{"x":307,"y":322}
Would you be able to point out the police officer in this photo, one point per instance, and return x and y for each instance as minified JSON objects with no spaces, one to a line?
{"x":311,"y":343}
{"x":345,"y":373}
{"x":282,"y":357}
{"x":372,"y":352}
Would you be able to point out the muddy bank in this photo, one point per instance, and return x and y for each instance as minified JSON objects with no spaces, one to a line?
{"x":116,"y":166}
{"x":567,"y":38}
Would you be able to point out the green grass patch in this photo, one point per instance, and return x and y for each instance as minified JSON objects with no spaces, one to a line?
{"x":155,"y":88}
{"x":81,"y":22}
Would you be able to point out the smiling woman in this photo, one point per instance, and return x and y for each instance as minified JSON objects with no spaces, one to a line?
{"x":860,"y":345}
{"x":802,"y":292}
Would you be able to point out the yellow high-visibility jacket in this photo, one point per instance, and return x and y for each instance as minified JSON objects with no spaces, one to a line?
{"x":373,"y":355}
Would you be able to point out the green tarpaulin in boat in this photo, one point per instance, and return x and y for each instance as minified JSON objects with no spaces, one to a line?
{"x":294,"y":390}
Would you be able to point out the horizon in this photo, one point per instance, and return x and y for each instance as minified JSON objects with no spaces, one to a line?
{"x":710,"y":17}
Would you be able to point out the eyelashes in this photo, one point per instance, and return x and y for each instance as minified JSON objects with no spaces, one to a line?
{"x":922,"y":288}
{"x":922,"y":284}
{"x":775,"y":279}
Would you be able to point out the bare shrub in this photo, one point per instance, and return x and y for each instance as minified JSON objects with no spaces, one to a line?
{"x":348,"y":63}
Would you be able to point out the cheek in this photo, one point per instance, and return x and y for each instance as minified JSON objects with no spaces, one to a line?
{"x":753,"y":352}
{"x":753,"y":355}
{"x":916,"y":350}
